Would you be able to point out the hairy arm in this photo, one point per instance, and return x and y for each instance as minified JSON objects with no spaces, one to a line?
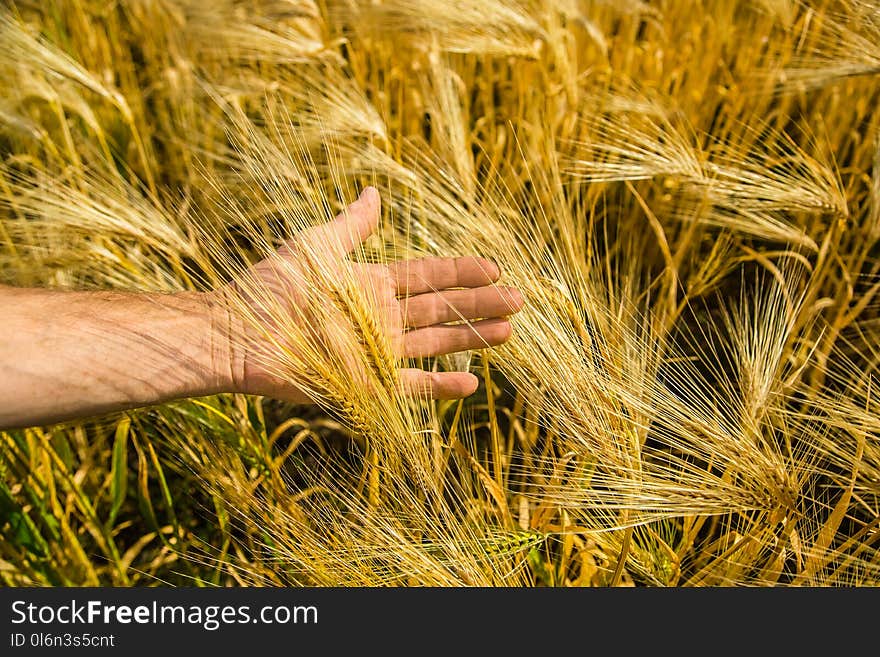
{"x":69,"y":354}
{"x":73,"y":354}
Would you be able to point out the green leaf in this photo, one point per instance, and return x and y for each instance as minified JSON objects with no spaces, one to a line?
{"x":119,"y":469}
{"x":20,"y":529}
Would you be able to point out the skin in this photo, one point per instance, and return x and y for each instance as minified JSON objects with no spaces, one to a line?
{"x":75,"y":354}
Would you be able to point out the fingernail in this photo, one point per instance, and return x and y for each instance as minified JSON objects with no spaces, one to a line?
{"x":368,"y":190}
{"x":517,"y":300}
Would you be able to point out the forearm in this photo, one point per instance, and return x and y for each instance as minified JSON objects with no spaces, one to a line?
{"x":67,"y":355}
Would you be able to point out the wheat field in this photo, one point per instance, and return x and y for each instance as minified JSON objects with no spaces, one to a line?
{"x":687,"y":194}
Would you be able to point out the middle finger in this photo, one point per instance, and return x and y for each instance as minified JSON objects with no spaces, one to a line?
{"x":454,"y":305}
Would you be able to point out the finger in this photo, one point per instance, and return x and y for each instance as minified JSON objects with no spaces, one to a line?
{"x":431,"y":274}
{"x":350,"y":228}
{"x":438,"y":385}
{"x":438,"y":340}
{"x":452,"y":305}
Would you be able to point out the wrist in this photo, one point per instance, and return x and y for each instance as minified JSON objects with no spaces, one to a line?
{"x":225,"y":365}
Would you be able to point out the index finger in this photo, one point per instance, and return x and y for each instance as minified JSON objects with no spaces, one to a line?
{"x":431,"y":274}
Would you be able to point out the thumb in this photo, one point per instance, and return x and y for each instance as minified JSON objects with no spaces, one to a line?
{"x":352,"y":226}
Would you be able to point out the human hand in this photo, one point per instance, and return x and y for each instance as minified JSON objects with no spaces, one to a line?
{"x":416,"y":306}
